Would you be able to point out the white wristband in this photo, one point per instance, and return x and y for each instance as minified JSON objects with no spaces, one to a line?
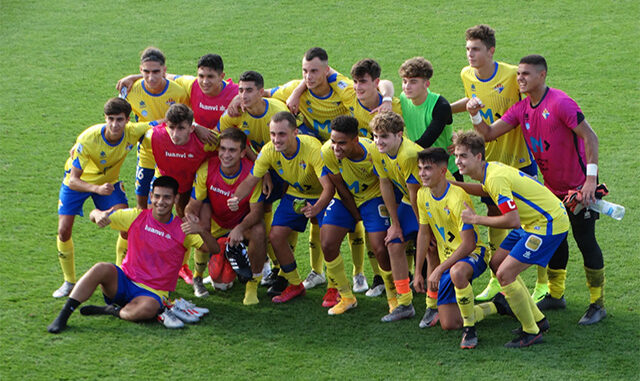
{"x":592,"y":169}
{"x":387,"y":99}
{"x":476,"y":119}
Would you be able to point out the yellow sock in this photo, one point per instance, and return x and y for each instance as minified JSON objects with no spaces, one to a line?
{"x":481,"y":311}
{"x":293,"y":277}
{"x":543,"y":277}
{"x":432,"y":302}
{"x":293,"y":241}
{"x":595,"y":282}
{"x":337,"y":276}
{"x":121,"y":250}
{"x":537,"y":314}
{"x":556,"y":282}
{"x":496,"y":236}
{"x":201,"y":260}
{"x":315,"y":251}
{"x":66,"y":258}
{"x":187,"y":255}
{"x":389,"y":286}
{"x":411,"y":253}
{"x":356,"y":243}
{"x":268,"y":218}
{"x":405,"y":296}
{"x":373,"y":261}
{"x":517,"y":297}
{"x":464,"y":298}
{"x":251,"y":291}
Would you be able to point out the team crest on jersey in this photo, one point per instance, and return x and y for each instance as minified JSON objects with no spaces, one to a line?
{"x":545,"y":113}
{"x":499,"y":87}
{"x":142,"y":104}
{"x":446,"y":210}
{"x":129,"y":147}
{"x":170,"y":101}
{"x":309,"y":109}
{"x":103,"y":154}
{"x":103,"y":162}
{"x":279,"y":165}
{"x":473,"y":87}
{"x":303,"y":165}
{"x":527,"y":126}
{"x":79,"y":148}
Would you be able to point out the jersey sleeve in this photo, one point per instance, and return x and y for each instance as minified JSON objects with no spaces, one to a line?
{"x":146,"y":152}
{"x":459,"y":206}
{"x":499,"y":188}
{"x":227,"y":121}
{"x":200,"y":182}
{"x":423,"y":217}
{"x":330,"y":162}
{"x":122,"y":219}
{"x":139,"y":129}
{"x":257,"y":195}
{"x":343,"y":87}
{"x":378,"y":169}
{"x":512,"y":116}
{"x":283,"y":92}
{"x":316,"y":160}
{"x":192,"y":240}
{"x":185,"y":81}
{"x":568,"y":110}
{"x":262,"y":163}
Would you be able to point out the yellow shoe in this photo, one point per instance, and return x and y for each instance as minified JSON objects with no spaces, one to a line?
{"x":539,"y":291}
{"x":490,"y":291}
{"x":251,"y":293}
{"x":343,"y":306}
{"x":393,"y":303}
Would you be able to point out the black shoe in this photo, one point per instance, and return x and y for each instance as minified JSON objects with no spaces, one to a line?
{"x":270,"y":279}
{"x":277,"y":287}
{"x":109,"y":309}
{"x":469,"y":338}
{"x":502,"y":305}
{"x":551,"y":303}
{"x":543,"y":326}
{"x":525,"y":340}
{"x":594,"y":314}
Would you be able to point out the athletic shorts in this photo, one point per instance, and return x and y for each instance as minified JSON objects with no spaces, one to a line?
{"x":373,"y":212}
{"x":70,"y":202}
{"x":129,"y":290}
{"x":285,"y":215}
{"x":446,"y":289}
{"x":531,"y":170}
{"x":278,"y":187}
{"x":408,"y":222}
{"x":532,"y":248}
{"x":144,"y":178}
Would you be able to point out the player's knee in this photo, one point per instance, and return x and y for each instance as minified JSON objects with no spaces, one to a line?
{"x":450,"y":323}
{"x":64,"y":232}
{"x":459,"y":275}
{"x":277,"y":235}
{"x":505,"y":276}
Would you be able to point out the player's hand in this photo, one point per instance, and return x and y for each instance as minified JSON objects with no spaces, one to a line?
{"x":418,"y":283}
{"x":394,"y":231}
{"x":589,"y":191}
{"x":206,"y":136}
{"x":434,"y":278}
{"x":105,"y":189}
{"x":191,"y":224}
{"x":233,"y":203}
{"x":309,"y":210}
{"x":72,"y":150}
{"x":235,"y":236}
{"x":452,"y":147}
{"x":384,"y":106}
{"x":293,"y":103}
{"x":235,"y":107}
{"x":101,"y":217}
{"x":126,"y":82}
{"x":474,"y":105}
{"x":468,"y":216}
{"x":267,"y":184}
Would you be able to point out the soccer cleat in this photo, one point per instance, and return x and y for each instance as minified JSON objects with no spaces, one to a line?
{"x":525,"y":340}
{"x":377,"y":288}
{"x":207,"y":280}
{"x":270,"y":278}
{"x":469,"y":338}
{"x":313,"y":279}
{"x":169,"y":319}
{"x":251,"y":293}
{"x":540,"y":291}
{"x":493,"y":287}
{"x":330,"y":298}
{"x":430,"y":318}
{"x":278,"y":286}
{"x":187,"y":305}
{"x":393,"y":304}
{"x":239,"y":260}
{"x":289,"y":293}
{"x":199,"y":290}
{"x":64,"y":290}
{"x":399,"y":313}
{"x":343,"y":306}
{"x":594,"y":314}
{"x":360,"y":283}
{"x":502,"y":305}
{"x":266,"y":270}
{"x":186,"y":274}
{"x":222,"y":286}
{"x":543,"y":326}
{"x":185,"y":315}
{"x":551,"y":303}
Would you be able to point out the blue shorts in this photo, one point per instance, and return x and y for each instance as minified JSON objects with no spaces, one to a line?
{"x":285,"y":215}
{"x":373,"y":212}
{"x":128,"y":290}
{"x":144,"y":178}
{"x":446,"y":289}
{"x":70,"y":202}
{"x":305,"y":130}
{"x":531,"y":170}
{"x":278,"y":187}
{"x":532,"y":248}
{"x":408,"y":222}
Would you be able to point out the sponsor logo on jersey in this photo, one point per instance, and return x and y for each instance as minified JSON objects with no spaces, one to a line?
{"x":209,"y":108}
{"x":170,"y":101}
{"x":156,"y":231}
{"x":545,"y":113}
{"x":499,"y":87}
{"x":175,"y":154}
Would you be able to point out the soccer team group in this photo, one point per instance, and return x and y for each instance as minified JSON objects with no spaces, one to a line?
{"x":347,"y":157}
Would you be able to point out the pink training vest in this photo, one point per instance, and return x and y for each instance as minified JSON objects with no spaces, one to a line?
{"x":207,"y":110}
{"x":155,"y":251}
{"x":219,"y":192}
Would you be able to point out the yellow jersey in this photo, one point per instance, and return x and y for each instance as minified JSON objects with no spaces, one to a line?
{"x":148,"y":107}
{"x":401,"y":168}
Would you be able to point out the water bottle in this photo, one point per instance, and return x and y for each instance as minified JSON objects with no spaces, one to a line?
{"x":609,"y":208}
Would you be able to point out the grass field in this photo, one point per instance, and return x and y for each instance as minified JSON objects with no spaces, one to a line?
{"x":60,"y":61}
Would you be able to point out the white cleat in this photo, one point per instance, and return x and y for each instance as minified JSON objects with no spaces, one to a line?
{"x":314,"y":279}
{"x":64,"y":290}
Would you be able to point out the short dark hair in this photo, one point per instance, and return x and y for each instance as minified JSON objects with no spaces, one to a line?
{"x":536,"y":60}
{"x":252,"y":76}
{"x":116,"y":106}
{"x":484,"y":33}
{"x":236,"y":135}
{"x":366,"y":66}
{"x":212,"y":61}
{"x":345,"y":124}
{"x":471,"y":140}
{"x":166,"y":182}
{"x":285,"y":115}
{"x":387,"y":121}
{"x":316,"y":53}
{"x":436,"y":155}
{"x":416,"y":67}
{"x":178,"y":113}
{"x":152,"y":54}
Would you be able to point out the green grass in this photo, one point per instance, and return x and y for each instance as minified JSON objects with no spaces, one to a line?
{"x":60,"y":61}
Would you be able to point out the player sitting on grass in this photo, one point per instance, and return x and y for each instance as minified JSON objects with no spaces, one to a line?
{"x":460,"y":257}
{"x":158,"y":241}
{"x":93,"y":171}
{"x":538,"y":219}
{"x":216,"y":181}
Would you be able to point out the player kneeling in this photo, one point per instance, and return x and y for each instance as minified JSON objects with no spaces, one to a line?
{"x":460,"y":256}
